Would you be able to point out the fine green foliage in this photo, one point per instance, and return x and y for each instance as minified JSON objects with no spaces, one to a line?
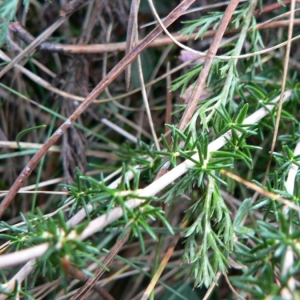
{"x":38,"y":230}
{"x":210,"y":237}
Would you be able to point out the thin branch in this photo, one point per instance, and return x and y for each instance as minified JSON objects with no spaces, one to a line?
{"x":146,"y":102}
{"x":168,"y":117}
{"x":261,"y":190}
{"x":176,"y":42}
{"x":211,"y":288}
{"x":120,"y":130}
{"x":284,"y":78}
{"x":232,"y":288}
{"x":90,"y":283}
{"x":132,"y":36}
{"x":71,"y":7}
{"x":26,"y":36}
{"x":42,"y":82}
{"x":33,"y":45}
{"x":78,"y":274}
{"x":160,"y":41}
{"x":162,"y":265}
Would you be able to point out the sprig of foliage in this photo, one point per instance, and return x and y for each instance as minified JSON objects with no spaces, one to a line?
{"x":213,"y":20}
{"x":226,"y":70}
{"x":57,"y":234}
{"x":210,"y":237}
{"x":64,"y":241}
{"x":183,"y":81}
{"x":271,"y":243}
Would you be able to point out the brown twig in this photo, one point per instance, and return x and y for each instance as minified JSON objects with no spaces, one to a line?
{"x":115,"y":47}
{"x":168,"y":105}
{"x":272,"y":7}
{"x":43,"y":36}
{"x":24,"y":35}
{"x":283,"y":85}
{"x":175,"y":14}
{"x":260,"y":190}
{"x":100,"y":270}
{"x":210,"y":289}
{"x":71,"y":7}
{"x":132,"y":36}
{"x":78,"y":274}
{"x":163,"y":264}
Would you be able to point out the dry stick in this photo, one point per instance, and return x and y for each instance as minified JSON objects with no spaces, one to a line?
{"x":33,"y":45}
{"x":100,"y":270}
{"x":168,"y":117}
{"x":71,"y":7}
{"x":24,"y":35}
{"x":238,"y":296}
{"x":285,"y":71}
{"x":110,"y":77}
{"x":78,"y":274}
{"x":200,"y":85}
{"x":132,"y":39}
{"x":211,"y":6}
{"x":163,"y":264}
{"x":278,"y":17}
{"x":146,"y":103}
{"x":66,"y":11}
{"x":39,"y":80}
{"x":17,"y":28}
{"x":207,"y":294}
{"x":161,"y":268}
{"x":260,"y":190}
{"x":225,"y":57}
{"x":272,"y":7}
{"x":121,"y":46}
